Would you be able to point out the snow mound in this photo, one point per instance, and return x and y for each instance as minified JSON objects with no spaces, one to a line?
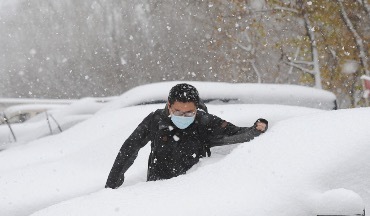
{"x":338,"y":202}
{"x":295,"y":168}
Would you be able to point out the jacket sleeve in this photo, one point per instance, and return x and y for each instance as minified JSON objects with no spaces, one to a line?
{"x":128,"y":153}
{"x":221,"y":132}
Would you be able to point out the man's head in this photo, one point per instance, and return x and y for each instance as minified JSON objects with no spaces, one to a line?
{"x":183,"y":101}
{"x":183,"y":93}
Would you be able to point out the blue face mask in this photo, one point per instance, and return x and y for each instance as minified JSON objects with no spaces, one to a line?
{"x":182,"y":122}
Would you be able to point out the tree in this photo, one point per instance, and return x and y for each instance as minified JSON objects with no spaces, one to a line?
{"x":363,"y":56}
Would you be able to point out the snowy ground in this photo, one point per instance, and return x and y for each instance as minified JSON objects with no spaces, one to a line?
{"x":309,"y":162}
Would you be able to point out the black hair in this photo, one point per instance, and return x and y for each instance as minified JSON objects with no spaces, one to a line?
{"x":183,"y":93}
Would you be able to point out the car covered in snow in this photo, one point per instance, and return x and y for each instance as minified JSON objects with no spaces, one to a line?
{"x":27,"y":122}
{"x":21,"y":113}
{"x":310,"y":162}
{"x":231,"y":93}
{"x":57,"y":120}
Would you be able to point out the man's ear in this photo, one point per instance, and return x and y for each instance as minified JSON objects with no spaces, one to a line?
{"x":168,"y":104}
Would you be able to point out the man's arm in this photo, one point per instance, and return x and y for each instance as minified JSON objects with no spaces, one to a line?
{"x":221,"y":132}
{"x":128,"y":153}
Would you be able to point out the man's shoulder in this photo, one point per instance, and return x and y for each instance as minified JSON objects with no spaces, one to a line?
{"x":205,"y":118}
{"x":159,"y":112}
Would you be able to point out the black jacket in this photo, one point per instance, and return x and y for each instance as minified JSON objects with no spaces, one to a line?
{"x":175,"y":151}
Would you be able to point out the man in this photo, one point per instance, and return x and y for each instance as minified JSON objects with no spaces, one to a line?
{"x":180,"y":134}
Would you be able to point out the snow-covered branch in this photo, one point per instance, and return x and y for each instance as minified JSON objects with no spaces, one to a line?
{"x":295,"y":57}
{"x":256,"y":70}
{"x":286,"y":9}
{"x":304,"y":62}
{"x":300,"y":67}
{"x":279,"y":9}
{"x":250,"y":50}
{"x":247,"y":49}
{"x":314,"y":51}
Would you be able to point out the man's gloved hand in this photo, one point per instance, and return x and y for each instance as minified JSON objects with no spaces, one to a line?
{"x":117,"y":183}
{"x":261,"y":125}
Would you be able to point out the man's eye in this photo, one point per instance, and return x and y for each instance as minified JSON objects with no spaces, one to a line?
{"x":178,"y":113}
{"x":189,"y":114}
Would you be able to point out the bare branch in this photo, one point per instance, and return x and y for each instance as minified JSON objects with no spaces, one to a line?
{"x":256,"y":70}
{"x":295,"y":57}
{"x":278,"y":9}
{"x":310,"y":63}
{"x":300,"y":67}
{"x":247,"y":49}
{"x":286,"y":9}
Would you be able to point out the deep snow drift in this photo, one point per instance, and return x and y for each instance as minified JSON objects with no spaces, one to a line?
{"x":309,"y":162}
{"x":314,"y":164}
{"x":77,"y":161}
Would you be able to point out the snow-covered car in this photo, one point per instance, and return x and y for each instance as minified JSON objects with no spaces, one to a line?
{"x":231,"y":93}
{"x":47,"y":119}
{"x":21,"y":113}
{"x":56,"y":121}
{"x":310,"y":162}
{"x":14,"y":102}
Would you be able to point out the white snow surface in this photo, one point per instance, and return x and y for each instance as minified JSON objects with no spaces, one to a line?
{"x":244,"y":93}
{"x":309,"y":162}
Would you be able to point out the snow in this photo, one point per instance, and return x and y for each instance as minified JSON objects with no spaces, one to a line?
{"x":257,"y":5}
{"x":365,"y":77}
{"x":309,"y":161}
{"x":338,"y":202}
{"x":35,"y":101}
{"x":7,"y":3}
{"x":248,"y":93}
{"x":287,"y":171}
{"x":30,"y":107}
{"x":350,"y":67}
{"x":176,"y":138}
{"x":36,"y":127}
{"x":7,"y":102}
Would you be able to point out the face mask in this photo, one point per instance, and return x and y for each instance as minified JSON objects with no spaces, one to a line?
{"x":182,"y":122}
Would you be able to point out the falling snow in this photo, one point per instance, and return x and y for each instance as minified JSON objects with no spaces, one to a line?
{"x":128,"y":43}
{"x":176,"y":138}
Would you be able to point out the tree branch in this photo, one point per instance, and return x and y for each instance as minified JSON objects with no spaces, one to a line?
{"x":300,"y":67}
{"x":278,"y":8}
{"x":247,"y":49}
{"x":310,"y":63}
{"x":256,"y":70}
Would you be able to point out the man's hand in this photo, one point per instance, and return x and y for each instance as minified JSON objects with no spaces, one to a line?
{"x":261,"y":125}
